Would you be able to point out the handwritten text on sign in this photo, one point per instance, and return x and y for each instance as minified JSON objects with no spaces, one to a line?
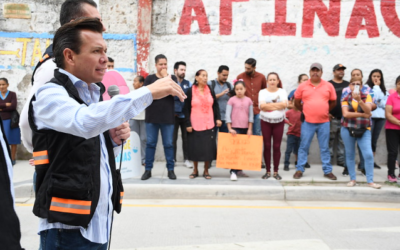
{"x":239,"y":152}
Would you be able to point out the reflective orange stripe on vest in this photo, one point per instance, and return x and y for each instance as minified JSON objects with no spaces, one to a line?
{"x":41,"y":157}
{"x":122,"y":197}
{"x":70,"y":206}
{"x":44,"y":58}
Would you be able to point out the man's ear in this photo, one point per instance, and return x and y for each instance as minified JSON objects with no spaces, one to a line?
{"x":69,"y":56}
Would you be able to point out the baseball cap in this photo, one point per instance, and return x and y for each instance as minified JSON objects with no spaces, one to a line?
{"x":316,"y":65}
{"x":338,"y":66}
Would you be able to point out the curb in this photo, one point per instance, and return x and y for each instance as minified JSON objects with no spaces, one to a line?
{"x":229,"y":192}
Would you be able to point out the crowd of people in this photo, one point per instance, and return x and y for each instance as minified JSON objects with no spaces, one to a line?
{"x":74,"y":136}
{"x":342,"y":113}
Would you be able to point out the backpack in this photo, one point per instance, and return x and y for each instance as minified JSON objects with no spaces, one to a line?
{"x":231,"y":90}
{"x":48,"y":54}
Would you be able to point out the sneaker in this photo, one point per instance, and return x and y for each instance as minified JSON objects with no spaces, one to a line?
{"x":240,"y":173}
{"x":286,"y":168}
{"x":188,"y":164}
{"x":392,"y":179}
{"x":307,"y":165}
{"x":345,"y":172}
{"x":233,"y":177}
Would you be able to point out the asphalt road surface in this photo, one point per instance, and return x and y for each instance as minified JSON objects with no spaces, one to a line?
{"x":231,"y":225}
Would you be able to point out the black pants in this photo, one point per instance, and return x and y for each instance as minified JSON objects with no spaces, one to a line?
{"x":392,"y":144}
{"x":180,"y":122}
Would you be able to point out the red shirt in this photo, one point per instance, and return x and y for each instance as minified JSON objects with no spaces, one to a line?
{"x":253,"y":84}
{"x":202,"y":116}
{"x":293,"y":117}
{"x":316,"y":100}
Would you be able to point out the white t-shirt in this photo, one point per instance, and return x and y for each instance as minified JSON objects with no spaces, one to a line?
{"x":42,"y":75}
{"x":275,"y":116}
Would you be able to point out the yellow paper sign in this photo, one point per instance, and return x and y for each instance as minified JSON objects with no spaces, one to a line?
{"x":239,"y":152}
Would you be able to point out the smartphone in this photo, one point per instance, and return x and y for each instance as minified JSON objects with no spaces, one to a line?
{"x":357,"y":89}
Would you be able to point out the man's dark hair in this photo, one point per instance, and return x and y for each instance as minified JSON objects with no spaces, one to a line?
{"x":110,"y":59}
{"x":251,"y":61}
{"x":160,"y":56}
{"x":222,"y":68}
{"x":69,"y":36}
{"x":73,"y":9}
{"x":177,"y":64}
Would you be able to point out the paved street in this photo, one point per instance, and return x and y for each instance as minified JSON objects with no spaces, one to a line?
{"x":237,"y":224}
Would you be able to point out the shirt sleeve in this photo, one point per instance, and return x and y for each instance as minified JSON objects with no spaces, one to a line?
{"x":389,"y":101}
{"x":228,"y":113}
{"x":333,"y":96}
{"x":298,"y":94}
{"x":251,"y":115}
{"x":54,"y":109}
{"x":43,"y":75}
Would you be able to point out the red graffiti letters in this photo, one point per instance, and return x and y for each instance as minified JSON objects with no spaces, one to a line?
{"x":280,"y":27}
{"x":201,"y":17}
{"x":225,"y":16}
{"x":388,"y":9}
{"x":363,"y":9}
{"x":329,"y":17}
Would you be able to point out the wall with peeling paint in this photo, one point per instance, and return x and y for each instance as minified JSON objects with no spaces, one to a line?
{"x":285,"y":36}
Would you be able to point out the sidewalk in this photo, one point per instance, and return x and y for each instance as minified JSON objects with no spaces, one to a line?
{"x":312,"y":187}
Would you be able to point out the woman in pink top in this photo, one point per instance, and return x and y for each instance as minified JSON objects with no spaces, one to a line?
{"x":202,"y":115}
{"x":392,"y":113}
{"x":239,"y":115}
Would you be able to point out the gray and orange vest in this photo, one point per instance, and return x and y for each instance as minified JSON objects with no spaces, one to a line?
{"x":68,"y":169}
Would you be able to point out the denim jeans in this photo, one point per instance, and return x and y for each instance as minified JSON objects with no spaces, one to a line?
{"x":307,"y":134}
{"x":257,"y":125}
{"x":365,"y":147}
{"x":335,"y":133}
{"x":167,"y":133}
{"x":63,"y":239}
{"x":292,"y":146}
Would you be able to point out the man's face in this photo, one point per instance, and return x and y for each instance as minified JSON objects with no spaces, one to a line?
{"x":223,"y":76}
{"x":110,"y":65}
{"x":181,"y":72}
{"x":315,"y":74}
{"x":339,"y":73}
{"x":91,"y":11}
{"x":161,"y":65}
{"x":91,"y":63}
{"x":249,"y":69}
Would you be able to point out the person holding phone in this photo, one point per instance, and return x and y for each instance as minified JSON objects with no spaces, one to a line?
{"x":356,"y":127}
